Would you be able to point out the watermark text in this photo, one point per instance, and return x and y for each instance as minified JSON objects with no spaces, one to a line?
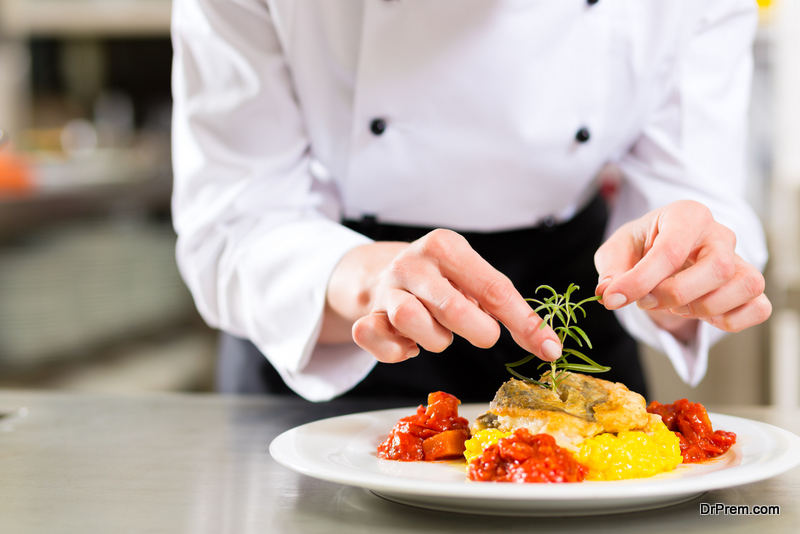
{"x":719,"y":508}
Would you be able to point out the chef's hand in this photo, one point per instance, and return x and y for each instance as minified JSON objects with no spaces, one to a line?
{"x":679,"y":264}
{"x":395,"y":297}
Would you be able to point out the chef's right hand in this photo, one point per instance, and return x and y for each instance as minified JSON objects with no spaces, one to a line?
{"x":395,"y":297}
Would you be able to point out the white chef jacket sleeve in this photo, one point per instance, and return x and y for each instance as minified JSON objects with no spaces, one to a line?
{"x":256,"y":243}
{"x":694,"y":146}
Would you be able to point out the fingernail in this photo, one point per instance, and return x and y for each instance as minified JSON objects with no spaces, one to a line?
{"x":551,"y":350}
{"x":681,"y":310}
{"x":615,"y":300}
{"x":648,"y":301}
{"x":412,"y":352}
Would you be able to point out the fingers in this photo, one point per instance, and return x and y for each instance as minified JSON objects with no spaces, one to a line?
{"x":375,"y":334}
{"x":638,"y":259}
{"x":437,"y":287}
{"x":495,"y":294}
{"x":618,"y":255}
{"x":457,"y":313}
{"x":736,"y":305}
{"x":705,"y":290}
{"x":754,"y":312}
{"x":679,"y":259}
{"x":411,"y":319}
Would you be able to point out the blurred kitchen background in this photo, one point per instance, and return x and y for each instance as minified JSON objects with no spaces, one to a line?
{"x":90,"y":296}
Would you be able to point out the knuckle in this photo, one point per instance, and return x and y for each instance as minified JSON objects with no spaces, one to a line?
{"x":453,"y":307}
{"x":671,"y":295}
{"x":675,"y":255}
{"x":754,"y":284}
{"x":395,"y":272}
{"x":724,"y":268}
{"x":763,"y":309}
{"x":601,"y":254}
{"x":402,"y":314}
{"x":532,"y":327}
{"x":361,"y":333}
{"x":358,"y":330}
{"x":438,"y":243}
{"x":497,"y":293}
{"x":370,"y":334}
{"x":726,"y":323}
{"x":757,"y":312}
{"x":728,"y":235}
{"x":700,"y":210}
{"x":699,"y":308}
{"x":703,"y":307}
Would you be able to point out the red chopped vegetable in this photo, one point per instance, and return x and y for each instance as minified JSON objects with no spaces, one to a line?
{"x":448,"y":444}
{"x":524,"y":457}
{"x":689,"y":420}
{"x":427,"y":435}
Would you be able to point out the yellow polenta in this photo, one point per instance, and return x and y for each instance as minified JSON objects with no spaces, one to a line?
{"x":631,"y":454}
{"x":480,"y":440}
{"x":628,"y":454}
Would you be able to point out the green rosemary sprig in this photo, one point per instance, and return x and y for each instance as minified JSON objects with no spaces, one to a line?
{"x":559,"y":307}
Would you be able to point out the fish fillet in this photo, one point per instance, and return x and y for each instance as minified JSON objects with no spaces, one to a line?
{"x":584,"y":407}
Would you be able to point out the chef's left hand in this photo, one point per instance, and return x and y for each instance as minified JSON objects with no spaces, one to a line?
{"x":679,"y":264}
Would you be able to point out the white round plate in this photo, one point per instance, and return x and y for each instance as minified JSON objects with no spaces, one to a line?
{"x":343,"y":450}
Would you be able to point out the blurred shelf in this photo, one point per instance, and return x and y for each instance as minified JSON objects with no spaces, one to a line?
{"x":181,"y":357}
{"x":24,"y":18}
{"x":20,"y":215}
{"x":82,"y":284}
{"x":103,"y":182}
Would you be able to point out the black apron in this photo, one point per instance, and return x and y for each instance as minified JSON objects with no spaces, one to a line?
{"x":551,"y":254}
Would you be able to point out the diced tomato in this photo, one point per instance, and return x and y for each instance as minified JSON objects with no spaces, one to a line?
{"x":440,"y":416}
{"x":689,"y":420}
{"x":401,"y":446}
{"x":524,"y":457}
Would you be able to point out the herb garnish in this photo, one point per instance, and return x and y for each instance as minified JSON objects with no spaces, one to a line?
{"x":559,"y":307}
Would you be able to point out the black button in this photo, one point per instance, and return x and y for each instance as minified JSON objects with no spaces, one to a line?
{"x":377,"y":126}
{"x":582,"y":135}
{"x":592,"y":2}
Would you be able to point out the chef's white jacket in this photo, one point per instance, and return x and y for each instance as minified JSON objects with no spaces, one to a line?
{"x":275,"y":139}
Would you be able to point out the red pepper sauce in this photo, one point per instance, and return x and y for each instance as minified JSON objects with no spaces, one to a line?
{"x":524,"y":457}
{"x":689,"y":420}
{"x":406,"y":442}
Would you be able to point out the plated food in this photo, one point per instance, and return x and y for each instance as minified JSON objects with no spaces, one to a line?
{"x":604,"y":429}
{"x":563,"y":427}
{"x":342,"y":450}
{"x":590,"y":429}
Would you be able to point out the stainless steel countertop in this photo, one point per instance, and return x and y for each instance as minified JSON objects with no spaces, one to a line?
{"x":88,"y":463}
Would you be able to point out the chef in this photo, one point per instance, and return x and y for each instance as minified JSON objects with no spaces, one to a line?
{"x":366,"y":190}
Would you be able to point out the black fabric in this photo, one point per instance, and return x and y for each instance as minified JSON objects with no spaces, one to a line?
{"x":243,"y":370}
{"x":556,"y":255}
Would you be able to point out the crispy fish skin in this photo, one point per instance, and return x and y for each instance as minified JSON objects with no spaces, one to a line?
{"x":586,"y":406}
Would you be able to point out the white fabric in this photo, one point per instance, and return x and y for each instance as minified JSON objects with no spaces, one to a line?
{"x":482,"y":101}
